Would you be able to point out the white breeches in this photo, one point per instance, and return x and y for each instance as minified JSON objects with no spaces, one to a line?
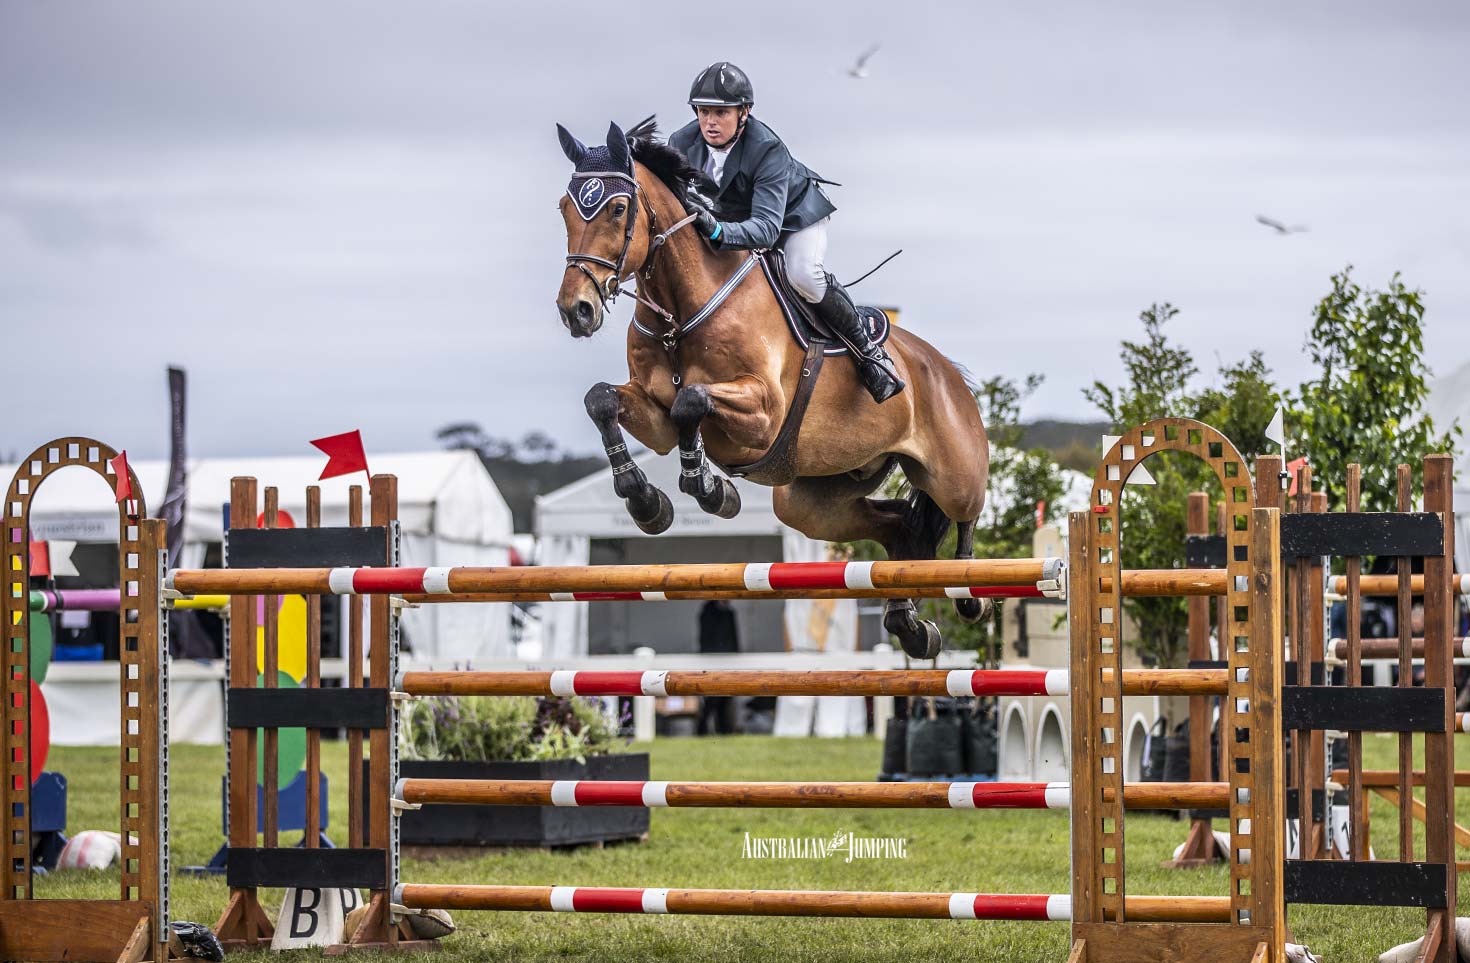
{"x":806,"y":252}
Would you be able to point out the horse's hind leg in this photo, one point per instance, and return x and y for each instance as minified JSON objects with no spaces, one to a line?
{"x":715,"y":494}
{"x":649,"y":508}
{"x":971,"y":610}
{"x":922,"y":527}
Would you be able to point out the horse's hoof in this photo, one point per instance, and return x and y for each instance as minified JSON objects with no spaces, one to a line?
{"x":919,"y":638}
{"x":656,"y":521}
{"x":923,"y":644}
{"x":724,"y":502}
{"x":973,"y":610}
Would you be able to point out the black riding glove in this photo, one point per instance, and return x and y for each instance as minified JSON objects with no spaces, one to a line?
{"x":706,"y":223}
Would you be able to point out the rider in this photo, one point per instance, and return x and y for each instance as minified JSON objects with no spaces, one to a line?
{"x":767,"y":198}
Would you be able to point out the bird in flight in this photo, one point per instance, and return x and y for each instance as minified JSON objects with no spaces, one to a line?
{"x":1280,"y":228}
{"x":859,"y":70}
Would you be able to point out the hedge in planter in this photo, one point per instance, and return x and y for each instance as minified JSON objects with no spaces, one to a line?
{"x":516,"y":738}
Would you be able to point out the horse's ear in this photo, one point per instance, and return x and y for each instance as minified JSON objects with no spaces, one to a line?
{"x":617,"y":146}
{"x":573,"y":148}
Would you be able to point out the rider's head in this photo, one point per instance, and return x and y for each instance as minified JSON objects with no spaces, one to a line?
{"x":721,"y":96}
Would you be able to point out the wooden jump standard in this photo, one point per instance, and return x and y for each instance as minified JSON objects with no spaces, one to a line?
{"x":815,"y":682}
{"x":133,"y":927}
{"x":786,"y":795}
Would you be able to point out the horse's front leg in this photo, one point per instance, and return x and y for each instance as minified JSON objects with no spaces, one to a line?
{"x":714,"y":493}
{"x":611,"y":407}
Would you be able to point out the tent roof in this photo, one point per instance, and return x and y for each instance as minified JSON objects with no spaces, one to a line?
{"x":446,"y":493}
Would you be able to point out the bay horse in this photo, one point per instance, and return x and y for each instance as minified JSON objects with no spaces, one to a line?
{"x":722,"y":387}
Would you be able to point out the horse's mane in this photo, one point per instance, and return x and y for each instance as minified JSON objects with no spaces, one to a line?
{"x":668,"y":164}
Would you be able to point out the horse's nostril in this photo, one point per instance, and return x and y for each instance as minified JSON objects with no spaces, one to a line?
{"x":583,"y":311}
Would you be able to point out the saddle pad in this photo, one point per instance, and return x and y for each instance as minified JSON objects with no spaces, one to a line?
{"x":800,"y":318}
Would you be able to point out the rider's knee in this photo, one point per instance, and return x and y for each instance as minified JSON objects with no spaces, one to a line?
{"x":809,"y":278}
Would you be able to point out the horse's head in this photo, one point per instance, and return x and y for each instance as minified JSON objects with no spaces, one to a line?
{"x":601,"y":213}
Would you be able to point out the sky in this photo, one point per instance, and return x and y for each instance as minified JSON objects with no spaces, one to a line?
{"x":342,"y":215}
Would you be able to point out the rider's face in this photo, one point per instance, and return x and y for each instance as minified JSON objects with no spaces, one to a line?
{"x":718,"y":124}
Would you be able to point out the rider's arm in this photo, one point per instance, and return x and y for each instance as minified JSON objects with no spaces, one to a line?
{"x":767,"y":205}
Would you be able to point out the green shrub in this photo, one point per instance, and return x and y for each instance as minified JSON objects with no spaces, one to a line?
{"x":506,"y":729}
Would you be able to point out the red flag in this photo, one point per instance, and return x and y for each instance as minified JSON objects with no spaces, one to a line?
{"x":344,"y":452}
{"x":124,"y":479}
{"x":40,"y":560}
{"x":1293,"y":469}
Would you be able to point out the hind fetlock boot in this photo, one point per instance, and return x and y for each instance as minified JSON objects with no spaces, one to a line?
{"x":875,"y":368}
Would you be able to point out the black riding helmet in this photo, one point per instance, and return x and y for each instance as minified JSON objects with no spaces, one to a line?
{"x":721,"y":85}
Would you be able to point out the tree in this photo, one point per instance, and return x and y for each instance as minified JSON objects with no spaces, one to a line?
{"x":1160,"y":383}
{"x":1366,"y":405}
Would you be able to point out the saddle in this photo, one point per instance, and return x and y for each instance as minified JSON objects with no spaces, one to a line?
{"x":803,"y":321}
{"x":778,"y":465}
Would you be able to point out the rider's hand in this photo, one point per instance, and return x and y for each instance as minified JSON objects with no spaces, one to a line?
{"x":706,"y":223}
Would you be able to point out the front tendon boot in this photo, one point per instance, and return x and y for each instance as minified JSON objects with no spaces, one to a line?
{"x":875,"y":368}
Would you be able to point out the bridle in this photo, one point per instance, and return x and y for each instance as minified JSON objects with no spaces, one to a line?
{"x":609,"y":289}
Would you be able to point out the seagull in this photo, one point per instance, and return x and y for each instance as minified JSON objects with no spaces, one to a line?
{"x":859,"y":70}
{"x":1280,"y":228}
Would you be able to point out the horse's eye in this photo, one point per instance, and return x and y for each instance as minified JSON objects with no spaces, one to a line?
{"x":618,"y":210}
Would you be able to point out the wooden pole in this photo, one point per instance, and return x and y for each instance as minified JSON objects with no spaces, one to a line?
{"x":1353,"y":644}
{"x":733,"y":902}
{"x":697,"y":580}
{"x":1189,"y":583}
{"x":873,"y":682}
{"x":788,"y":795}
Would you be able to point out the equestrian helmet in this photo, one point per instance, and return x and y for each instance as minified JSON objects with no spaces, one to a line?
{"x":721,"y":85}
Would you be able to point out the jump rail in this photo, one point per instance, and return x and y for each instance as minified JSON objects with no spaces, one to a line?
{"x":875,"y":682}
{"x":739,"y":902}
{"x":787,"y":795}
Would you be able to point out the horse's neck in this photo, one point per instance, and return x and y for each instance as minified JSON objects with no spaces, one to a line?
{"x":686,"y":271}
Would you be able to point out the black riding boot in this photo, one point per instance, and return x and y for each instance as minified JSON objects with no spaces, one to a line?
{"x":875,"y":369}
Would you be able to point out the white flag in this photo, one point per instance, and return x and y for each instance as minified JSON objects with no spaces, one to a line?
{"x":1276,"y":430}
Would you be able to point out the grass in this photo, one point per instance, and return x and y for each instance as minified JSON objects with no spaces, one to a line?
{"x":996,"y":851}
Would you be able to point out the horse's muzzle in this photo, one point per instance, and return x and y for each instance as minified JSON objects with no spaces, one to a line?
{"x":582,"y":318}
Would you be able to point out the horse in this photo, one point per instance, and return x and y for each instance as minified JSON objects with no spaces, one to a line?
{"x":721,"y":391}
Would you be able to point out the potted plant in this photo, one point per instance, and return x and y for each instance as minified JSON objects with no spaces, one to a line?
{"x":517,"y":738}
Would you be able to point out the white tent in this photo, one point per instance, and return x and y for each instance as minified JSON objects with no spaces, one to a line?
{"x":449,"y":509}
{"x":567,"y":520}
{"x":1449,"y":399}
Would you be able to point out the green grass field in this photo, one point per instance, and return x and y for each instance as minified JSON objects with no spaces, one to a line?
{"x":996,"y":851}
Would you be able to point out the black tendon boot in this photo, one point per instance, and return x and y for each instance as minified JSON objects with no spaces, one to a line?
{"x":875,"y":369}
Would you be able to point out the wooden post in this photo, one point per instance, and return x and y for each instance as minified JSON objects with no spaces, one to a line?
{"x":1357,"y":805}
{"x":313,"y":680}
{"x":1439,"y":672}
{"x":243,"y":922}
{"x":1404,"y":620}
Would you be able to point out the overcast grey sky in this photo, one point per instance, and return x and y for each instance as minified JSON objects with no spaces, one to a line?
{"x":341,"y":215}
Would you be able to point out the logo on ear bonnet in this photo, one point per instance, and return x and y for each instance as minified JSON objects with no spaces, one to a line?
{"x":590,"y":193}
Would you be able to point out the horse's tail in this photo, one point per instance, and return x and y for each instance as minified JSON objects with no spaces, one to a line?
{"x":924,"y":524}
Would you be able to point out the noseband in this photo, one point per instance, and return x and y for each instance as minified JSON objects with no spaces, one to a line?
{"x":609,"y":289}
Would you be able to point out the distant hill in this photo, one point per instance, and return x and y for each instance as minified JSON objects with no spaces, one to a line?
{"x":1073,"y":444}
